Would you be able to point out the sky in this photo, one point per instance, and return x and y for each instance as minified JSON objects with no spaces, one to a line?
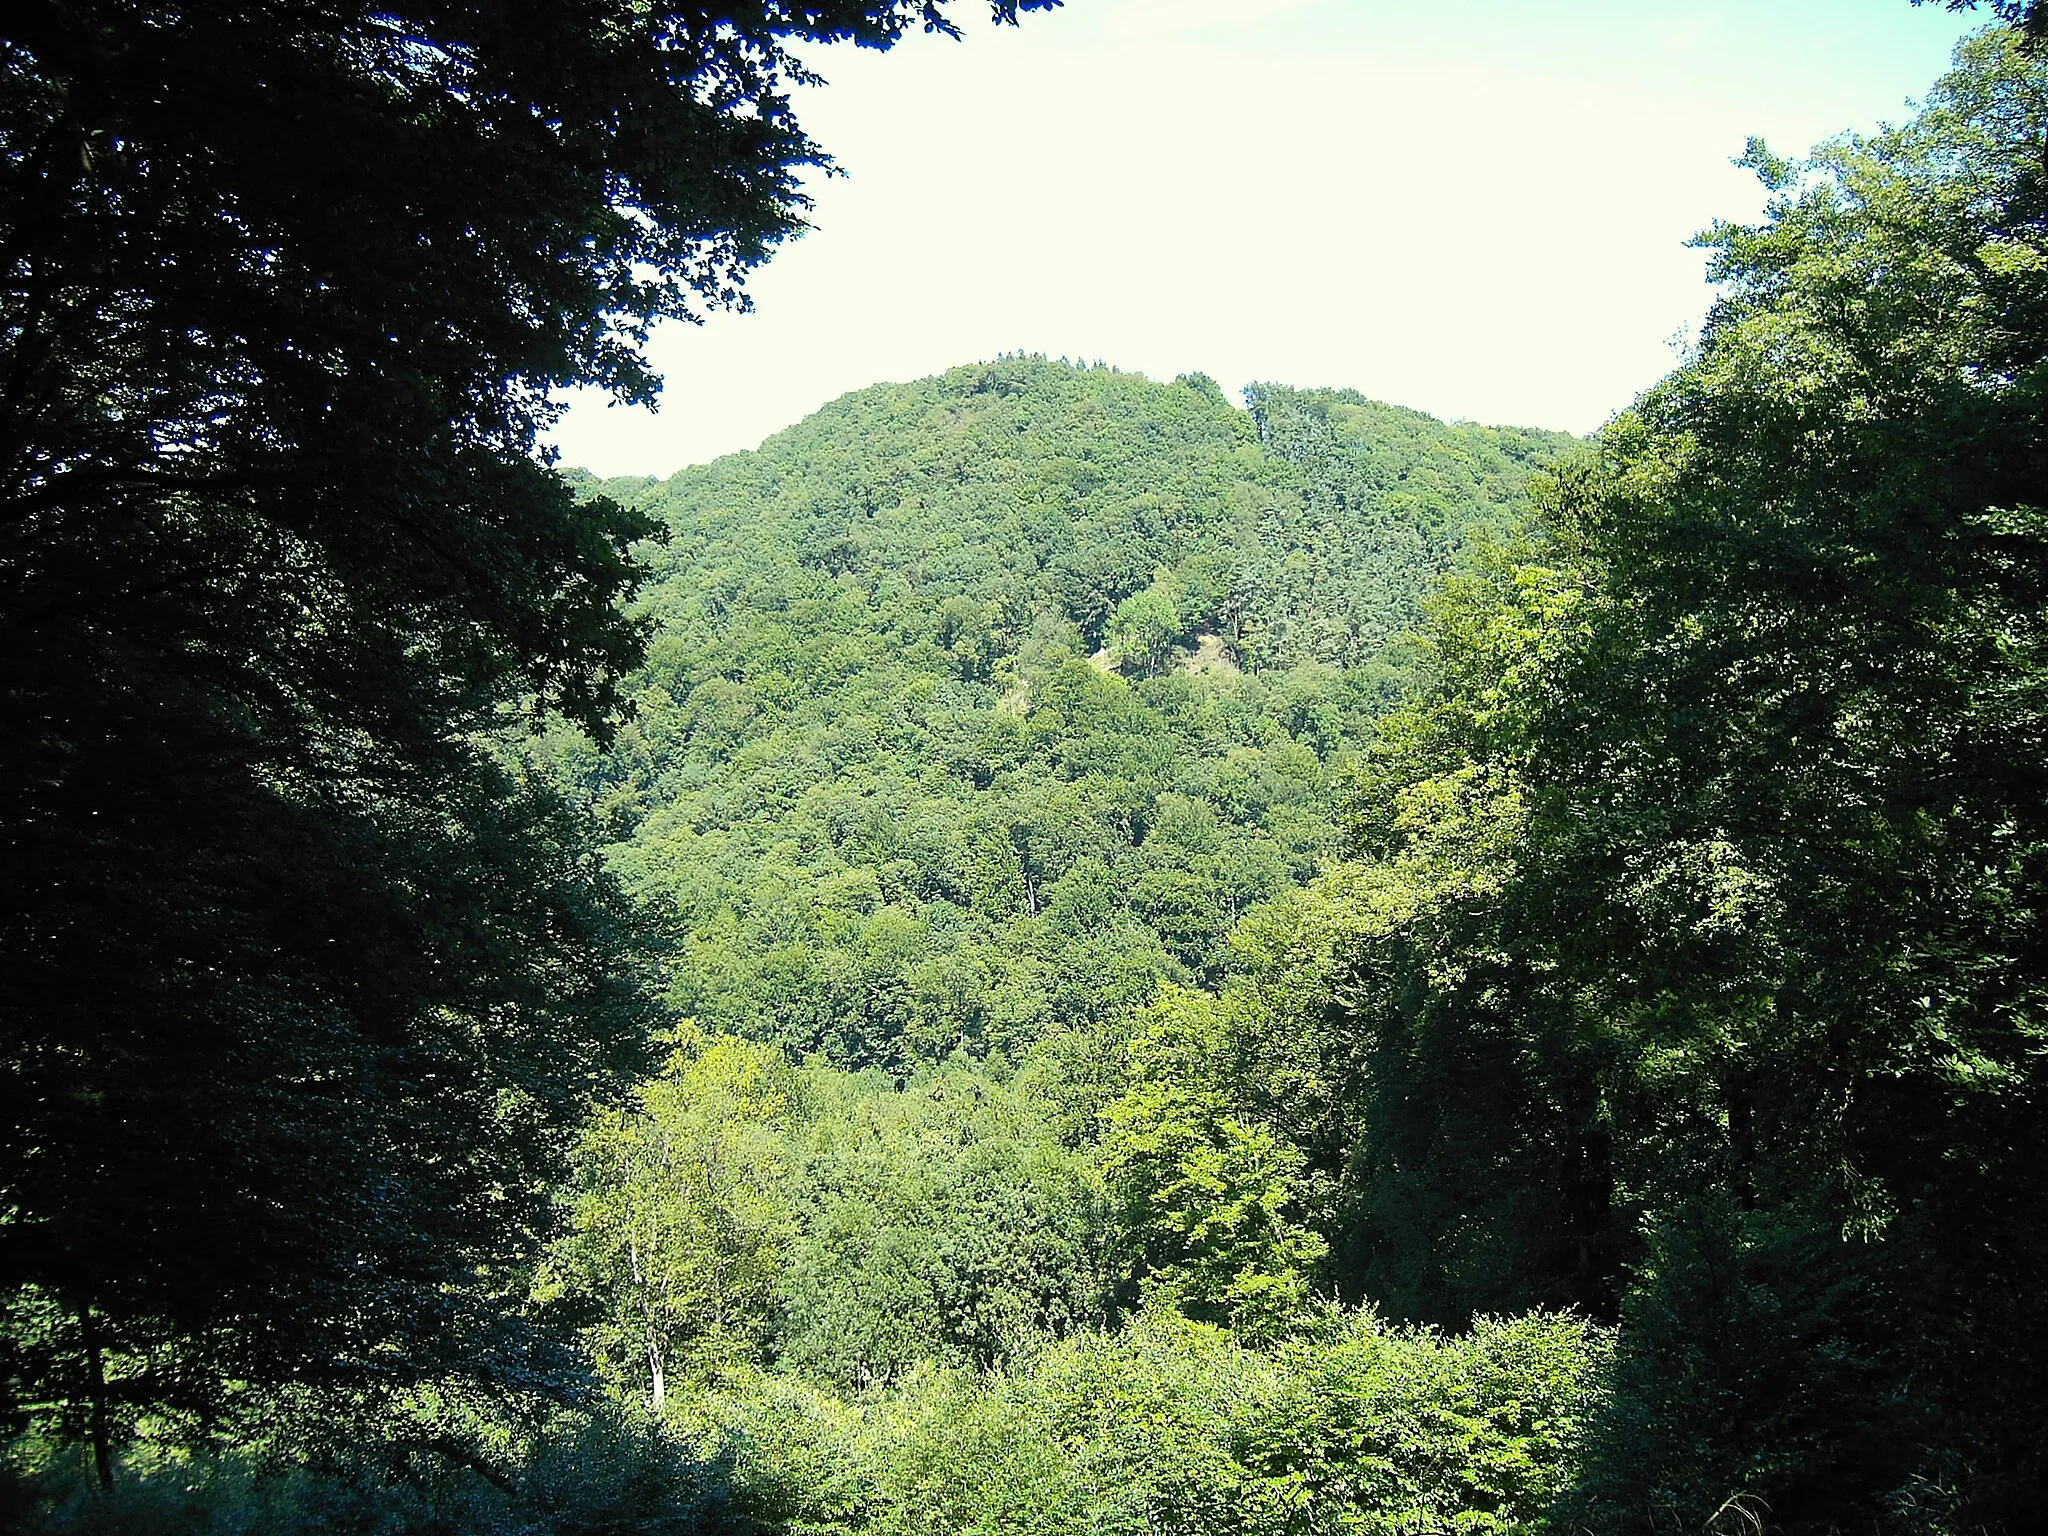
{"x":1478,"y":209}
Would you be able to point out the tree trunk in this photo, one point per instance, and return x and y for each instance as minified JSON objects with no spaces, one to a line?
{"x":657,"y":1377}
{"x":96,"y":1397}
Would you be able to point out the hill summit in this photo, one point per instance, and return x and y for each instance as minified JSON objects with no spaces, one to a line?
{"x":979,"y":707}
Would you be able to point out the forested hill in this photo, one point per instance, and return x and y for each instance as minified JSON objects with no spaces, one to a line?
{"x":979,"y":705}
{"x":1130,"y":1040}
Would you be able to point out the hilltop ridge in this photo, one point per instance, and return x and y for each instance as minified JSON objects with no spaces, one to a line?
{"x":873,"y":777}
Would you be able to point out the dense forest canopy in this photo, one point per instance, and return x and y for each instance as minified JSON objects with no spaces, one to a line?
{"x":1125,"y":964}
{"x":980,"y":706}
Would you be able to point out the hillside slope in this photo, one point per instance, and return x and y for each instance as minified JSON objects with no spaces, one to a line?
{"x":978,"y":706}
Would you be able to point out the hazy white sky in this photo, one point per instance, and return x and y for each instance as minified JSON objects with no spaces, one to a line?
{"x":1478,"y":208}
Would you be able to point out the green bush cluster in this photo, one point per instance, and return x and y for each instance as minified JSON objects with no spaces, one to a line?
{"x":1166,"y":1428}
{"x":1171,"y":1426}
{"x":841,"y":1226}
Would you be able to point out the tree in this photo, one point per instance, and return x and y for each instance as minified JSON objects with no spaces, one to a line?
{"x":1145,"y":625}
{"x":1766,"y":931}
{"x":303,"y":988}
{"x":1212,"y":1201}
{"x":681,"y":1218}
{"x":2029,"y":16}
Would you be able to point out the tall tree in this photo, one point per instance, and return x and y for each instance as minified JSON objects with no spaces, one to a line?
{"x":1771,"y":709}
{"x":302,"y":987}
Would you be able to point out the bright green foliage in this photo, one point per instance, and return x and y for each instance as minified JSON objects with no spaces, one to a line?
{"x":844,"y":1226}
{"x":1168,"y":1428}
{"x":1212,"y":1201}
{"x":1172,"y":1427}
{"x":682,"y":1218}
{"x":1146,"y":624}
{"x":944,"y":1222}
{"x":878,"y":784}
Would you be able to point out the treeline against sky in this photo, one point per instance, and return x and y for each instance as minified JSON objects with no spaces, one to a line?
{"x":978,"y":707}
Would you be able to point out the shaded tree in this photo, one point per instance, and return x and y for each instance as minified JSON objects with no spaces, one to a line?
{"x":303,"y":986}
{"x":1767,"y":701}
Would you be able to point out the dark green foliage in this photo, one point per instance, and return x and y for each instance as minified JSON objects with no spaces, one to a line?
{"x":1389,"y":499}
{"x":1480,"y":1178}
{"x":2030,"y":16}
{"x":570,"y":1476}
{"x":303,"y":987}
{"x":1749,"y":989}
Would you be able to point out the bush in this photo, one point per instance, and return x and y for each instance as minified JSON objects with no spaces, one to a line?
{"x":1174,"y":1427}
{"x":597,"y":1475}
